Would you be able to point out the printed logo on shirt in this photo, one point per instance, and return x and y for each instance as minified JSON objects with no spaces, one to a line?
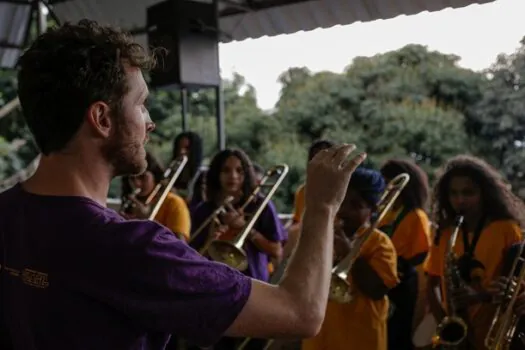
{"x":29,"y":277}
{"x":34,"y":278}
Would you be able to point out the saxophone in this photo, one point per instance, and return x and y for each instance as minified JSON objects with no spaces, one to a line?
{"x":452,"y":330}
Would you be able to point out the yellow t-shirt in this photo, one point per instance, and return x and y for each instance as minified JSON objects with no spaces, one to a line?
{"x":298,"y":204}
{"x":412,"y":235}
{"x":175,"y":215}
{"x":360,"y":324}
{"x":493,"y":242}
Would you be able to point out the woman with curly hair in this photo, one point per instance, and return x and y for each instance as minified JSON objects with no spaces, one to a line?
{"x":492,"y":218}
{"x":408,"y":227}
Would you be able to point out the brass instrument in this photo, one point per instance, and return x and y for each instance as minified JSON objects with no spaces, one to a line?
{"x":214,"y":217}
{"x":127,"y":203}
{"x":505,"y":321}
{"x":452,"y":330}
{"x":171,"y":174}
{"x":340,"y":289}
{"x":231,"y":252}
{"x":174,"y":170}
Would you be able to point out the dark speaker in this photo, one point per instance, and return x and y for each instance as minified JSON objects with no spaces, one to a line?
{"x":189,"y":31}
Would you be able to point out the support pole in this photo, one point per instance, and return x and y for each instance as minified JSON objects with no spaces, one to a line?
{"x":184,"y":108}
{"x":219,"y":100}
{"x":219,"y":110}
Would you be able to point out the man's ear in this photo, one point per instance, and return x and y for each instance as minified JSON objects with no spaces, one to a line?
{"x":99,"y":118}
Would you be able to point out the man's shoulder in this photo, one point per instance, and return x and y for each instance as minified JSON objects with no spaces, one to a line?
{"x":9,"y":194}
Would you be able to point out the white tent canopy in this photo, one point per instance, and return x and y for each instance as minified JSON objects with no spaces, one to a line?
{"x":239,"y":19}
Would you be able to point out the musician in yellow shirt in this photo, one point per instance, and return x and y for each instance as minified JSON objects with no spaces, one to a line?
{"x":408,"y":227}
{"x":492,"y":215}
{"x":173,"y":213}
{"x":293,"y":230}
{"x":360,"y":324}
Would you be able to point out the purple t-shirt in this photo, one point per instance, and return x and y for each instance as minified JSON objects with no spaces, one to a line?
{"x":268,"y":224}
{"x":76,"y":275}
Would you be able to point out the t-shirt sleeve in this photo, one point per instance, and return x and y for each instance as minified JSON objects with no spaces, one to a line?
{"x":383,"y":259}
{"x":270,"y":226}
{"x":178,"y":216}
{"x":141,"y":270}
{"x":412,"y":236}
{"x":511,"y":231}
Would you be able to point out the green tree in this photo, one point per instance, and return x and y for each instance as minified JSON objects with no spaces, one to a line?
{"x":500,"y":116}
{"x":396,"y":104}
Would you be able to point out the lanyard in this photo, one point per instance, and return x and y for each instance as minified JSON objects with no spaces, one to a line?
{"x":470,"y":246}
{"x":391,"y":228}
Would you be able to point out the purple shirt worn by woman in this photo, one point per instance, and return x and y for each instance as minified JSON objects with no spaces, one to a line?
{"x":76,"y":275}
{"x":268,"y":224}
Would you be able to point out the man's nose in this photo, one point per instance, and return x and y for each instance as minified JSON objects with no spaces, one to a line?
{"x":150,"y":126}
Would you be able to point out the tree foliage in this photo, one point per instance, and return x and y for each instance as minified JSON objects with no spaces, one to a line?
{"x":411,"y":102}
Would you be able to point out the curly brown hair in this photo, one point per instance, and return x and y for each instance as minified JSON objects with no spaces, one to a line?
{"x":66,"y":70}
{"x":415,"y":194}
{"x":499,"y":201}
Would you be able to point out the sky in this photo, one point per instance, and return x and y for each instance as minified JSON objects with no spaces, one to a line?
{"x":477,"y":33}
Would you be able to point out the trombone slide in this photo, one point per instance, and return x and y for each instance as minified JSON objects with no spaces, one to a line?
{"x":174,"y":170}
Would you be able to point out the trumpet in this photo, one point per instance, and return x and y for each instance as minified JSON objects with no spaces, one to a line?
{"x":170,"y":175}
{"x":231,"y":252}
{"x":340,"y":289}
{"x":452,"y":330}
{"x":504,"y":323}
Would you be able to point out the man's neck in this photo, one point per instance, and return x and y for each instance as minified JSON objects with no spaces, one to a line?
{"x":70,"y":175}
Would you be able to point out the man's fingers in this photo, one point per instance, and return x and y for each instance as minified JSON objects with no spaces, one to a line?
{"x":353,"y":163}
{"x":341,"y":154}
{"x":322,"y":154}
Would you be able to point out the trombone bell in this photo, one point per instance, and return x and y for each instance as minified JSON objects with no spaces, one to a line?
{"x":228,"y":253}
{"x":340,"y":289}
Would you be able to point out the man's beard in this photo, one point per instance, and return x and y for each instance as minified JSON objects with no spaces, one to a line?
{"x":125,"y":155}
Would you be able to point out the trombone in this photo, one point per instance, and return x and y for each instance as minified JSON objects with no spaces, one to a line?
{"x":231,"y":252}
{"x":504,"y":323}
{"x":171,"y":174}
{"x":340,"y":289}
{"x":174,"y":170}
{"x":214,"y":217}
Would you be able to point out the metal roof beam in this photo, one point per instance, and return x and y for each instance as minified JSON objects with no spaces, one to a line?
{"x":7,"y":45}
{"x":255,"y":6}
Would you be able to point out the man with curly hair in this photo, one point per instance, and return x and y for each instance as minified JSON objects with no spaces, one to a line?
{"x":76,"y":275}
